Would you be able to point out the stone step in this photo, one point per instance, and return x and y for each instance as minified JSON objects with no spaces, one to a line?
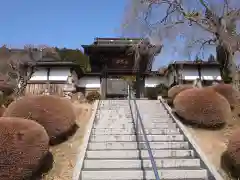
{"x":135,"y":145}
{"x":118,"y":111}
{"x":113,"y":117}
{"x":114,"y":106}
{"x":131,"y":125}
{"x":130,"y":120}
{"x":158,"y":119}
{"x":132,"y":132}
{"x":135,"y":163}
{"x":154,"y":115}
{"x":113,"y":125}
{"x":104,"y":138}
{"x":111,"y":113}
{"x":148,"y":127}
{"x":136,"y":154}
{"x":121,"y":174}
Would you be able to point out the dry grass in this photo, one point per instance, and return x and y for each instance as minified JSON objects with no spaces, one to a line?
{"x":65,"y":154}
{"x":214,"y":143}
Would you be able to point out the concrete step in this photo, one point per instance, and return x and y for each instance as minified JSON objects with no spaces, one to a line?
{"x":113,"y":106}
{"x":135,"y":145}
{"x":159,"y":125}
{"x":114,"y":125}
{"x":116,"y":111}
{"x":147,"y":127}
{"x":130,"y":120}
{"x":111,"y":112}
{"x":187,"y":174}
{"x":131,"y":125}
{"x":104,"y":138}
{"x":159,"y":119}
{"x":113,"y":118}
{"x":154,"y":115}
{"x":134,"y":163}
{"x":131,"y":131}
{"x":136,"y":154}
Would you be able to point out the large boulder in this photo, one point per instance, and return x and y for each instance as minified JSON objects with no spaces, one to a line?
{"x":231,"y":94}
{"x":203,"y":107}
{"x":55,"y":114}
{"x":230,"y":159}
{"x":23,"y":148}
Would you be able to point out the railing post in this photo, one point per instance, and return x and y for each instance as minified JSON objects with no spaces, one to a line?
{"x":137,"y":121}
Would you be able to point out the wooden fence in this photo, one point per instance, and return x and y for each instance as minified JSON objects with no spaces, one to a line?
{"x":36,"y":89}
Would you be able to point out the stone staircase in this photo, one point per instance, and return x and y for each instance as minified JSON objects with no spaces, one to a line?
{"x":113,"y":152}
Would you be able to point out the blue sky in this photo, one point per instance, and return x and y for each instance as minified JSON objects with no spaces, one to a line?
{"x":64,"y":23}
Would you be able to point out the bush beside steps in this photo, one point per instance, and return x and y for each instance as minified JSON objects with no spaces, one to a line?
{"x":55,"y":114}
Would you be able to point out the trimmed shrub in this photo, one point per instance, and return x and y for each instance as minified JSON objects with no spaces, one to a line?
{"x":23,"y":148}
{"x":93,"y":96}
{"x":203,"y":107}
{"x":175,"y":90}
{"x":226,"y":90}
{"x":55,"y":114}
{"x":230,"y":160}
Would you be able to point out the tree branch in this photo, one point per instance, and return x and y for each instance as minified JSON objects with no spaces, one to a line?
{"x":195,"y":17}
{"x":225,"y":7}
{"x":203,"y":43}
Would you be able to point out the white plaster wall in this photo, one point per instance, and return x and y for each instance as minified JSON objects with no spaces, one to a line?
{"x":210,"y":73}
{"x":189,"y":73}
{"x":154,"y":81}
{"x":89,"y":82}
{"x":59,"y":74}
{"x":39,"y":75}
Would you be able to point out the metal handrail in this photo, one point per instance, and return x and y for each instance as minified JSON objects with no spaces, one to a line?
{"x":139,"y":121}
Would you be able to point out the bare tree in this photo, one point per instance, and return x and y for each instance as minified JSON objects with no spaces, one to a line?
{"x":18,"y":65}
{"x":145,"y":48}
{"x":212,"y":23}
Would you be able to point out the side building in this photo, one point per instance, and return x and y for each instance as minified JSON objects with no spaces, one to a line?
{"x":185,"y":72}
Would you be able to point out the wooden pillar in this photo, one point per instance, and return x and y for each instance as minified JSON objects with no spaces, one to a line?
{"x":143,"y":86}
{"x":105,"y":77}
{"x":138,"y":84}
{"x":104,"y":83}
